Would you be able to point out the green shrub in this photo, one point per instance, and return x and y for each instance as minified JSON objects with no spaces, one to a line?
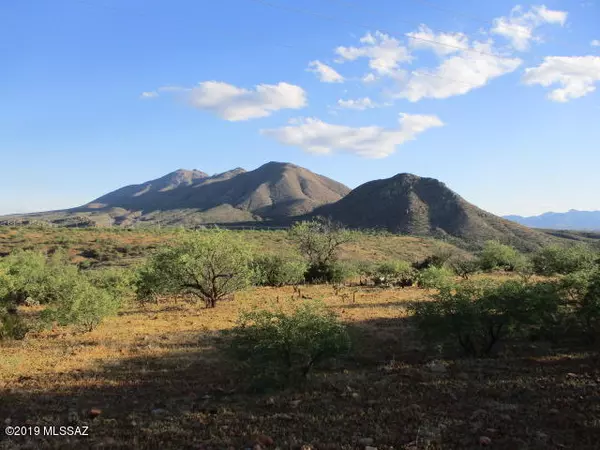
{"x":464,"y":266}
{"x":365,"y":270}
{"x":393,"y":273}
{"x":478,"y":315}
{"x":499,"y":256}
{"x":78,"y":302}
{"x":209,"y":265}
{"x":275,"y":270}
{"x":118,"y":282}
{"x":11,"y":325}
{"x":320,"y":241}
{"x":284,"y":346}
{"x":553,"y":260}
{"x":435,"y":278}
{"x":329,"y":272}
{"x":26,"y":273}
{"x":582,"y":291}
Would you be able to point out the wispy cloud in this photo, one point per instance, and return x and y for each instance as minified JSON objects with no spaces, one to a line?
{"x":458,"y":74}
{"x":520,"y":25}
{"x":325,"y":73}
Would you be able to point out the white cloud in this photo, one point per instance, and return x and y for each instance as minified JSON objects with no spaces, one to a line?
{"x":150,"y":94}
{"x":235,"y":104}
{"x":384,"y":53}
{"x":520,"y":25}
{"x":325,"y":73}
{"x":316,"y":136}
{"x":359,"y":104}
{"x":576,"y":74}
{"x":441,"y":43}
{"x":458,"y":74}
{"x":595,"y":43}
{"x":369,"y":78}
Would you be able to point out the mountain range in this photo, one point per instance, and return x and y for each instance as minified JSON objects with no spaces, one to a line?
{"x":571,"y":220}
{"x":276,"y":194}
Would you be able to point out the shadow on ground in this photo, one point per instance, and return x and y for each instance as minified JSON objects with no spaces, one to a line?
{"x":386,"y":397}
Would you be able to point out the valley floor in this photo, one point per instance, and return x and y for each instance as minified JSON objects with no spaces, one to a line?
{"x":158,"y":382}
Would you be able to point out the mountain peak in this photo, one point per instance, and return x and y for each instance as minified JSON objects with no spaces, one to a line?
{"x":409,"y":204}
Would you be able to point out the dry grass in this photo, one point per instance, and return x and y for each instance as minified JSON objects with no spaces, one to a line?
{"x":123,"y":247}
{"x":162,"y":358}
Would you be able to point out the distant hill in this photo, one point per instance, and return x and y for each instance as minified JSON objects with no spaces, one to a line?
{"x":413,"y":205}
{"x":191,"y":197}
{"x":571,"y":220}
{"x":277,"y":194}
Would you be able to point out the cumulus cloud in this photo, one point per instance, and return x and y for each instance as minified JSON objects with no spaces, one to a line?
{"x":325,"y":73}
{"x":458,"y":74}
{"x":441,"y":43}
{"x":384,"y":52}
{"x":236,"y":104}
{"x":316,"y":136}
{"x":359,"y":104}
{"x":520,"y":25}
{"x":576,"y":74}
{"x":595,"y":43}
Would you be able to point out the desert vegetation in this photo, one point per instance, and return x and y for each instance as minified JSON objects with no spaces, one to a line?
{"x":315,"y":336}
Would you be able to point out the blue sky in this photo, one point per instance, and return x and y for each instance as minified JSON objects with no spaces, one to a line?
{"x":496,"y":100}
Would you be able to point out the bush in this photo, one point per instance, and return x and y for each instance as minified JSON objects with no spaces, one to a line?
{"x":559,"y":260}
{"x":284,"y":347}
{"x":464,"y":266}
{"x":499,"y":256}
{"x":11,"y":325}
{"x":25,"y":274}
{"x":582,"y":291}
{"x":435,"y":278}
{"x":478,"y":315}
{"x":211,"y":265}
{"x":118,"y":282}
{"x":274,"y":270}
{"x":78,"y":302}
{"x":319,"y":241}
{"x":329,"y":272}
{"x":393,"y":273}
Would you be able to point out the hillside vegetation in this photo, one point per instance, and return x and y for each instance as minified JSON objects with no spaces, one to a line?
{"x":317,"y":337}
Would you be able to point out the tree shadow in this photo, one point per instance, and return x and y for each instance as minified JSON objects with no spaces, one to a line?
{"x":387,"y":392}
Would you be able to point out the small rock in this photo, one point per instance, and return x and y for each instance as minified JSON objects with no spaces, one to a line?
{"x":484,"y":441}
{"x":7,"y":421}
{"x":436,"y":367}
{"x":73,"y":417}
{"x":270,"y":401}
{"x":478,"y":413}
{"x":505,"y":417}
{"x":491,"y":431}
{"x":368,"y":447}
{"x":541,"y":436}
{"x":295,"y":403}
{"x":94,"y":412}
{"x":265,"y":440}
{"x":571,"y":375}
{"x":366,"y":441}
{"x":159,"y":412}
{"x":355,"y":395}
{"x":553,"y":411}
